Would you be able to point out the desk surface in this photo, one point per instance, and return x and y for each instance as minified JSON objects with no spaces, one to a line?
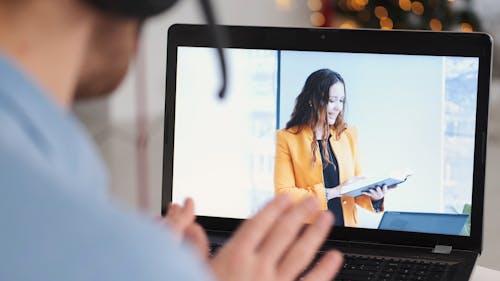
{"x":484,"y":274}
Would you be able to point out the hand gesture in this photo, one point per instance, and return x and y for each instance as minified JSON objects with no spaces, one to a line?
{"x":275,"y":245}
{"x":181,"y":220}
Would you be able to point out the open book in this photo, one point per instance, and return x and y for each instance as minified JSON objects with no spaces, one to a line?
{"x":357,"y":188}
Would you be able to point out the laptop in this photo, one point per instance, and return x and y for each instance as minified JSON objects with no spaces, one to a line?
{"x":418,"y":101}
{"x":439,"y":223}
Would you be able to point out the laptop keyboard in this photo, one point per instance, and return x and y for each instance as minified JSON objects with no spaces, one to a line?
{"x":371,"y":268}
{"x":390,"y":269}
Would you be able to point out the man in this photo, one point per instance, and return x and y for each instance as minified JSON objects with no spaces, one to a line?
{"x":56,"y":221}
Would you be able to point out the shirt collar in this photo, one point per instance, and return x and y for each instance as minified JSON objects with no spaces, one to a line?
{"x":54,"y":133}
{"x":24,"y":95}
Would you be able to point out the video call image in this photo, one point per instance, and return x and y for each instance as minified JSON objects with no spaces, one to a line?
{"x":382,"y":141}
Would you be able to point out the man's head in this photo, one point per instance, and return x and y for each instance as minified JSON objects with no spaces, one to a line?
{"x":81,"y":48}
{"x":74,"y":48}
{"x":113,"y":43}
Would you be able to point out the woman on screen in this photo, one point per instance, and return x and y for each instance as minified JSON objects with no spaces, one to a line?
{"x":317,"y":153}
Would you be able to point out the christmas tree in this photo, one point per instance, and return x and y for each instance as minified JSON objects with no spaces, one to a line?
{"x":437,"y":15}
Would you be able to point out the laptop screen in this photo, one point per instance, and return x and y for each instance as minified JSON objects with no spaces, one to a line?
{"x":406,"y":118}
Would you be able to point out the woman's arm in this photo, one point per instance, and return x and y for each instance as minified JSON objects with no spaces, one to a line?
{"x":284,"y":175}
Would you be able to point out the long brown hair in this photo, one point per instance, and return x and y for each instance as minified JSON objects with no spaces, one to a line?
{"x":311,"y":109}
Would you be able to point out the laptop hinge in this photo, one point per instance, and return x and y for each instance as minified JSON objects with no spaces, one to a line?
{"x":441,"y":249}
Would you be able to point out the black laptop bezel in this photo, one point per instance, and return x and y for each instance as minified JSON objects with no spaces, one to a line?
{"x":352,"y":41}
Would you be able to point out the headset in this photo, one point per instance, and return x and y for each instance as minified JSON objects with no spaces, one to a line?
{"x":132,"y":8}
{"x":142,"y":9}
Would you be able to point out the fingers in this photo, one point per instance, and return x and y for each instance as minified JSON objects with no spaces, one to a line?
{"x":302,"y":252}
{"x":198,"y":238}
{"x":333,"y":192}
{"x":376,"y":193}
{"x":372,"y":193}
{"x":338,"y":189}
{"x":272,"y":245}
{"x":181,"y":220}
{"x":286,"y":230}
{"x":252,"y":231}
{"x":173,"y":210}
{"x":381,"y":191}
{"x":327,"y":268}
{"x":180,"y":217}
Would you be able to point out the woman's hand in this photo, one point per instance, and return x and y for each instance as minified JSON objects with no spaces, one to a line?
{"x":333,"y":192}
{"x":377,"y":193}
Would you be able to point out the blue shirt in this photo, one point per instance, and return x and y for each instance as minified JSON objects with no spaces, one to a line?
{"x":56,"y":221}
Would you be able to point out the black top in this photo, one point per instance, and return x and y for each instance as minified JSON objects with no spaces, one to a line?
{"x":331,"y":179}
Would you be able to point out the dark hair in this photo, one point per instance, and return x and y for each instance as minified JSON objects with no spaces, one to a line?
{"x":311,"y":108}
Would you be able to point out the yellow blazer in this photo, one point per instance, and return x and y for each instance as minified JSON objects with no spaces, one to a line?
{"x":295,"y":175}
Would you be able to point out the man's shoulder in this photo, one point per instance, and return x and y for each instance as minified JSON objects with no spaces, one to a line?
{"x":18,"y":153}
{"x":50,"y":232}
{"x":55,"y":147}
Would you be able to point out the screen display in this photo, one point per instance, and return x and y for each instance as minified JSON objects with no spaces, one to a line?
{"x":383,"y":141}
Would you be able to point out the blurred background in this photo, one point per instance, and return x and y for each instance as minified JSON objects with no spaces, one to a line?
{"x":128,"y":125}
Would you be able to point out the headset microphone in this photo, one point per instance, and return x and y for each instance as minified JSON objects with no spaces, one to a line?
{"x":219,"y":38}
